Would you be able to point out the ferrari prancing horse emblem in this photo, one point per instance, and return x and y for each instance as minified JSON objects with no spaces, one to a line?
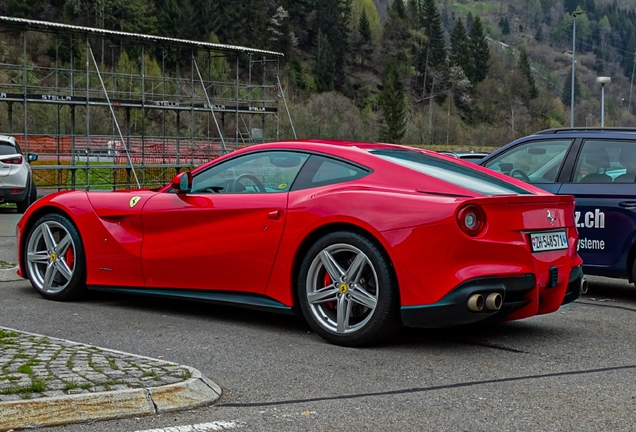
{"x":550,"y":218}
{"x":343,"y":288}
{"x":134,"y":200}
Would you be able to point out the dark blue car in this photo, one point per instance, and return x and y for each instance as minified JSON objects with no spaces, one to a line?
{"x":598,"y":167}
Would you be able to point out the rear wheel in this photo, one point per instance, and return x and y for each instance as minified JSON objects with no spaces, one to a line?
{"x":347,"y":290}
{"x":54,"y":258}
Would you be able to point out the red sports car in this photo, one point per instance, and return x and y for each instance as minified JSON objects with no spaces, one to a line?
{"x":359,"y":238}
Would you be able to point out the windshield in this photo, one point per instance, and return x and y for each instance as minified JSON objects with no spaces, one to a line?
{"x":451,"y":172}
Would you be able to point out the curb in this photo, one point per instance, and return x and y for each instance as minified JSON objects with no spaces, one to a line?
{"x":196,"y":391}
{"x":9,"y":275}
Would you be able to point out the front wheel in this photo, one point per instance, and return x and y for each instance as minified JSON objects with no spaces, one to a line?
{"x":54,"y":258}
{"x":347,"y":291}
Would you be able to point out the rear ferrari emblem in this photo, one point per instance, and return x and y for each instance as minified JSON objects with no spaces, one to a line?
{"x":550,"y":218}
{"x":134,"y":200}
{"x":343,"y":288}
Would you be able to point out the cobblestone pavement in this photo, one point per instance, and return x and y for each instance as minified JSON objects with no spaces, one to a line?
{"x":46,"y":381}
{"x":33,"y":366}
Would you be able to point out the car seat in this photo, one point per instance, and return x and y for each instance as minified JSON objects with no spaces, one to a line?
{"x":627,"y":158}
{"x":596,"y":156}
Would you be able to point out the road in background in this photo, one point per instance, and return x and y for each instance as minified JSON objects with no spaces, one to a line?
{"x":571,"y":370}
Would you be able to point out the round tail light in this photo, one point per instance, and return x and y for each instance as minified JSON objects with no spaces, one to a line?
{"x":471,"y":219}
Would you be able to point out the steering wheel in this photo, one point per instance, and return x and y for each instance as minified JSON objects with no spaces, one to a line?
{"x":519,"y":175}
{"x":237,"y":183}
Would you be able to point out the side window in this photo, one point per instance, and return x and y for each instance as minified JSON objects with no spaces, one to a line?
{"x":533,"y":162}
{"x":604,"y":161}
{"x":322,"y":171}
{"x":263,"y":172}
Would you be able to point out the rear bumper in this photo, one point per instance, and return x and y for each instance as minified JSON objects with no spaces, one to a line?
{"x":452,"y":309}
{"x":12,"y":194}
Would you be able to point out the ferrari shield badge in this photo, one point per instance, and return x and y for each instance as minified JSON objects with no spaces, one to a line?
{"x":134,"y":200}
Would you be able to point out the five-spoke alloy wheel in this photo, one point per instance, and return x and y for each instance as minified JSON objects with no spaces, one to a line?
{"x":54,"y":258}
{"x":347,"y":290}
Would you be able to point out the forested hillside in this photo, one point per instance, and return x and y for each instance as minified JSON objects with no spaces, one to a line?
{"x":463,"y":72}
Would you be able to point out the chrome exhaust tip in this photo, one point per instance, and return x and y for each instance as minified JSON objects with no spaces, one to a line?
{"x":1,"y":199}
{"x":494,"y":301}
{"x":584,"y":286}
{"x":475,"y":303}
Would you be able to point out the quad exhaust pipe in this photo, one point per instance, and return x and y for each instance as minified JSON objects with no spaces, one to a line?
{"x":492,"y":302}
{"x":1,"y":199}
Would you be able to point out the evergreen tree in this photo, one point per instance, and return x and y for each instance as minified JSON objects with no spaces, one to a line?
{"x":205,"y":20}
{"x":396,"y":41}
{"x":398,"y":7}
{"x":392,"y":107}
{"x":331,"y":20}
{"x":414,"y":13}
{"x":363,"y":43}
{"x":436,"y":43}
{"x":504,"y":25}
{"x":168,"y":18}
{"x":325,"y":65}
{"x":567,"y":89}
{"x":526,"y":69}
{"x":469,"y":22}
{"x":460,"y":51}
{"x":364,"y":28}
{"x":480,"y":53}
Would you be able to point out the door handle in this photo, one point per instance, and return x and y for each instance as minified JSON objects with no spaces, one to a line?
{"x":277,"y":214}
{"x":627,"y":204}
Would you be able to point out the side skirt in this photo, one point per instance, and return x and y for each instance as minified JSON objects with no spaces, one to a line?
{"x":246,"y":300}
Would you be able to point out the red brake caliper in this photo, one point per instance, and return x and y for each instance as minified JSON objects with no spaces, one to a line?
{"x":69,"y":257}
{"x":327,"y":281}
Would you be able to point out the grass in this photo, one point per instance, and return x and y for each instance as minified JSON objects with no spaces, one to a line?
{"x":36,"y":386}
{"x":6,"y":265}
{"x":74,"y":385}
{"x":25,"y":369}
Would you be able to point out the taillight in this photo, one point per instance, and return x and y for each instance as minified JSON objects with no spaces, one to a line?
{"x":471,"y":219}
{"x":14,"y":160}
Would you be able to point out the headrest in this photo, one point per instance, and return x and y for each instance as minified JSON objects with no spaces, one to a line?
{"x":596,"y":155}
{"x":627,"y":156}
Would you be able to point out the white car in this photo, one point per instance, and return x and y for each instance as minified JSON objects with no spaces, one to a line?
{"x":16,"y":179}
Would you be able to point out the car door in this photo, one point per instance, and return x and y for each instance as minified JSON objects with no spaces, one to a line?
{"x":537,"y":161}
{"x":224,"y":234}
{"x":605,"y":191}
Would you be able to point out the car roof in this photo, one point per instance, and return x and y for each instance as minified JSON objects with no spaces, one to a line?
{"x":566,"y":133}
{"x":607,"y":132}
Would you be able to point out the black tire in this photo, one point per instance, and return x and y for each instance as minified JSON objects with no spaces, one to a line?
{"x":54,"y":258}
{"x":32,"y":195}
{"x":360,"y":311}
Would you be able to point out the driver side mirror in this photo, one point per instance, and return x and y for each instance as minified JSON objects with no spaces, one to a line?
{"x":182,"y":182}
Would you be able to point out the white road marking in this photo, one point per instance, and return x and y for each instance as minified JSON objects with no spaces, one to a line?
{"x":201,"y":427}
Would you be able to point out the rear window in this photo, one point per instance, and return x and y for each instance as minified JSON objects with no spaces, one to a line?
{"x":451,"y":172}
{"x":7,"y":148}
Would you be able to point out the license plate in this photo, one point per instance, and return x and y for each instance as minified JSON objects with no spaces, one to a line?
{"x":547,"y":241}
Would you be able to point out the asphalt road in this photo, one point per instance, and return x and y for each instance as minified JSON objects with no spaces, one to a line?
{"x":571,"y":370}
